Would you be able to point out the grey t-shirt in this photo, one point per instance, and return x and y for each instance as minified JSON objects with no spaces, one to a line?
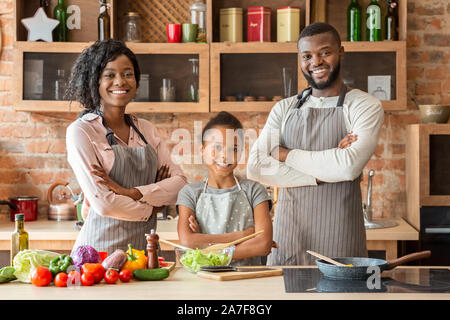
{"x":256,"y":193}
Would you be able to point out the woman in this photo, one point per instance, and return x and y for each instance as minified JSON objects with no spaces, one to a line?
{"x":120,"y":161}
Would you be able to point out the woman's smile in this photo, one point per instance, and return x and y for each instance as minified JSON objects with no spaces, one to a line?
{"x":117,"y":85}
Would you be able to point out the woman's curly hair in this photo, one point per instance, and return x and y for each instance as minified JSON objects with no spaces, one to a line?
{"x":84,"y":80}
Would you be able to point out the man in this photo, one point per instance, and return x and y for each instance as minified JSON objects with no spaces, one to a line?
{"x":316,"y":161}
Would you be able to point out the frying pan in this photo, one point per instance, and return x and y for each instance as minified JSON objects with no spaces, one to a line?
{"x":360,"y":265}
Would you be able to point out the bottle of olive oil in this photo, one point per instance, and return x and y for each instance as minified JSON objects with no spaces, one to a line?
{"x":19,"y":238}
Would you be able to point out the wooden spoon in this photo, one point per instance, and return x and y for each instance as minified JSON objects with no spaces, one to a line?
{"x":173,"y":244}
{"x":229,"y":244}
{"x":318,"y":255}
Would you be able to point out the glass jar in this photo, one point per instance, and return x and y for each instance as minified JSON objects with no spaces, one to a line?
{"x":132,"y":27}
{"x":143,"y":92}
{"x":60,"y":84}
{"x":198,"y":16}
{"x":167,"y":91}
{"x":192,"y":83}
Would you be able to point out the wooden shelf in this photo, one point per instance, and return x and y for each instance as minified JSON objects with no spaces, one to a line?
{"x":220,"y":49}
{"x":209,"y":54}
{"x":22,"y":48}
{"x":423,"y":171}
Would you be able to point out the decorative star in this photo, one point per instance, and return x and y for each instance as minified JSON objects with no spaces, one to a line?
{"x":40,"y":27}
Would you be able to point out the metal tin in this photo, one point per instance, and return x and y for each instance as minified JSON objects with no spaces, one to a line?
{"x":288,"y":24}
{"x":231,"y":24}
{"x":258,"y":24}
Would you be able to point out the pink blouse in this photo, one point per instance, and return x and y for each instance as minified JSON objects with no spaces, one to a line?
{"x":86,"y":145}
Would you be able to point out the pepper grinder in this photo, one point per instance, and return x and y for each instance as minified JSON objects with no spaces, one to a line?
{"x":152,"y":249}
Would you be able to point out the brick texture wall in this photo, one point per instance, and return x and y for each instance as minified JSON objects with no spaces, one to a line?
{"x":32,"y":145}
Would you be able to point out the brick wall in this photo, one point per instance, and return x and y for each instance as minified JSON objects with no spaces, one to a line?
{"x":32,"y":145}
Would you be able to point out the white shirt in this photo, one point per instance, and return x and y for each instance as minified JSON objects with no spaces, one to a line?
{"x":363,"y":114}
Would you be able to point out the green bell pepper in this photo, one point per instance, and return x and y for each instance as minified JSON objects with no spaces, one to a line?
{"x":60,"y":264}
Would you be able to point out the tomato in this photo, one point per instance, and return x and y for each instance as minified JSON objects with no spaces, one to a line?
{"x":97,"y":270}
{"x":61,"y":279}
{"x":163,"y":264}
{"x":125,"y":275}
{"x":87,"y":278}
{"x":161,"y":259}
{"x":73,"y":278}
{"x":41,"y":277}
{"x":111,"y":276}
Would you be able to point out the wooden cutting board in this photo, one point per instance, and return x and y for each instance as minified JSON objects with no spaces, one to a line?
{"x":238,"y":275}
{"x":170,"y":265}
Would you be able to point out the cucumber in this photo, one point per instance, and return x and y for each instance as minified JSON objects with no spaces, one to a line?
{"x":151,"y":274}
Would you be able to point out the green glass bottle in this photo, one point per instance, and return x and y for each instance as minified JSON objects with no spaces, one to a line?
{"x":373,"y":22}
{"x":391,"y":22}
{"x":19,"y":238}
{"x":354,"y":20}
{"x":60,"y":13}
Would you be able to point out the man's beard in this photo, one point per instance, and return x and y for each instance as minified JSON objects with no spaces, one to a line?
{"x":320,"y":86}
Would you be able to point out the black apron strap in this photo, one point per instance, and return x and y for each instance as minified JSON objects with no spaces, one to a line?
{"x":110,"y":134}
{"x":302,"y":96}
{"x":341,"y":99}
{"x":131,"y":123}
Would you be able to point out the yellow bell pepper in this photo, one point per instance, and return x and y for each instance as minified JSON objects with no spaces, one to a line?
{"x":136,"y":259}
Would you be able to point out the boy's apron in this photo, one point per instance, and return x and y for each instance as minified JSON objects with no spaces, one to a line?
{"x":133,"y":166}
{"x":326,"y":218}
{"x":225,"y":213}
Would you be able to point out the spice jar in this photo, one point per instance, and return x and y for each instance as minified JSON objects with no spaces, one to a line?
{"x":258,"y":24}
{"x":132,"y":27}
{"x":231,"y":24}
{"x":198,"y":17}
{"x":288,"y":24}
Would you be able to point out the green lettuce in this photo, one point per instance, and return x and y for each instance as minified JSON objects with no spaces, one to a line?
{"x":193,"y":260}
{"x":27,"y":260}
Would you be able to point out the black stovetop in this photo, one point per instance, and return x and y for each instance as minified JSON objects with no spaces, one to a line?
{"x":399,"y":280}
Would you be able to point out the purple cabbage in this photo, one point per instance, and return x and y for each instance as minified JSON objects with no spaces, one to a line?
{"x":85,"y":254}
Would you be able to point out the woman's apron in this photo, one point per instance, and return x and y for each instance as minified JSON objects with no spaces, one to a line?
{"x":326,"y":218}
{"x":225,"y":213}
{"x":133,"y":166}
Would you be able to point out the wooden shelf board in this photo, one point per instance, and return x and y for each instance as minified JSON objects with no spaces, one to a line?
{"x":254,"y":47}
{"x":242,"y":106}
{"x":51,"y":47}
{"x":266,"y":106}
{"x":167,"y":107}
{"x":373,"y":46}
{"x":43,"y":105}
{"x":291,"y":47}
{"x":169,"y":48}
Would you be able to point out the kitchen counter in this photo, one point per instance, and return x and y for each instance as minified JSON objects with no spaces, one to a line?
{"x":61,"y":235}
{"x":183,"y":285}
